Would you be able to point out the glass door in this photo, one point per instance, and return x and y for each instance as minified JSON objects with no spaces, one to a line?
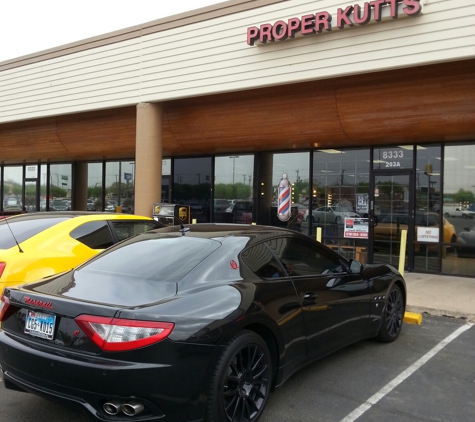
{"x":391,"y":212}
{"x":192,"y":186}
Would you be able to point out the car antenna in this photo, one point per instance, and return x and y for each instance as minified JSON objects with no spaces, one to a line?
{"x":5,"y":218}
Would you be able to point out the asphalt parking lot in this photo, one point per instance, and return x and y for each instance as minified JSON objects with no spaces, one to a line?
{"x":428,"y":374}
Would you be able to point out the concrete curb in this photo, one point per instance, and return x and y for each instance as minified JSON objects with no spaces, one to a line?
{"x":442,"y":312}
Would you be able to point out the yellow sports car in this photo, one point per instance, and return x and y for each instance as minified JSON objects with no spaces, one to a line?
{"x":33,"y":246}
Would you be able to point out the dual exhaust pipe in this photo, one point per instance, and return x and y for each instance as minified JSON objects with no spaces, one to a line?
{"x":130,"y":408}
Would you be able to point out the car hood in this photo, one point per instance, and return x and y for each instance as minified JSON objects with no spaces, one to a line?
{"x":114,"y":290}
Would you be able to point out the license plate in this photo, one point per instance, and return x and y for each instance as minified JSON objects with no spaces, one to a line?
{"x":40,"y":325}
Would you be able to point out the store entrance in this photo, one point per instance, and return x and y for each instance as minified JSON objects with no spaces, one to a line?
{"x":391,"y":212}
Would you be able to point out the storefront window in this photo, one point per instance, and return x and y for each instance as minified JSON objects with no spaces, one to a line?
{"x":94,"y":187}
{"x":339,"y":200}
{"x":60,"y":187}
{"x":427,"y":232}
{"x":119,"y":186}
{"x":12,"y":188}
{"x":458,"y":210}
{"x":233,"y":186}
{"x":192,"y":186}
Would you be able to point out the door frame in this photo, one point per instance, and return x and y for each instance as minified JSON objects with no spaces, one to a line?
{"x":409,"y":264}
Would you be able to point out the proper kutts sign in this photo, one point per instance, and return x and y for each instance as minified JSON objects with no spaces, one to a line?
{"x":349,"y":16}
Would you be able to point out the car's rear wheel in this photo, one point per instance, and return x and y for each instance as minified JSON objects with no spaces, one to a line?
{"x":393,"y":316}
{"x":241,"y":381}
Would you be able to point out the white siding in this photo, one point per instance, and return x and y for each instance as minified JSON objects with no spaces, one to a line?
{"x":212,"y":57}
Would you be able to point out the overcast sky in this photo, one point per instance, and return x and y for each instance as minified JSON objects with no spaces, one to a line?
{"x":30,"y":26}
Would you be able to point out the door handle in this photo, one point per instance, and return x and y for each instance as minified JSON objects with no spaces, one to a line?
{"x":309,"y":298}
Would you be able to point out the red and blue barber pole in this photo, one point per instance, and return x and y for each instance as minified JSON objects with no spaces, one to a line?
{"x":283,"y":199}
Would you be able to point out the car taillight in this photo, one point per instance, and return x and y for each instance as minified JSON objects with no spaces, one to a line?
{"x":4,"y":304}
{"x":117,"y":335}
{"x":2,"y":267}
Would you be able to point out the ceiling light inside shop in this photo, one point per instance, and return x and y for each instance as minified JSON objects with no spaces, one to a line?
{"x":450,"y":159}
{"x":331,"y":151}
{"x":378,"y":161}
{"x":411,"y":147}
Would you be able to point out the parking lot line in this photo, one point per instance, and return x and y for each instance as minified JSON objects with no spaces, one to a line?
{"x":403,"y":375}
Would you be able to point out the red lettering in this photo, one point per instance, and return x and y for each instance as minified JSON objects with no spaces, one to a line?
{"x":279,"y":31}
{"x":308,"y":24}
{"x":343,"y":17}
{"x":366,"y":14}
{"x":322,"y":21}
{"x":252,"y":35}
{"x":266,"y":33}
{"x":393,"y":8}
{"x":377,"y":5}
{"x":293,"y":26}
{"x":413,"y":7}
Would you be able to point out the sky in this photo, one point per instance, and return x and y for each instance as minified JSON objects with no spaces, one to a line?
{"x":30,"y":26}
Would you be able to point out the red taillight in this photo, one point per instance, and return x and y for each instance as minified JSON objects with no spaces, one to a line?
{"x":2,"y":267}
{"x":4,"y":304}
{"x":117,"y":335}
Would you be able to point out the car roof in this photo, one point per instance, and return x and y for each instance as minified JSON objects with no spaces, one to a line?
{"x":213,"y":230}
{"x":75,"y":214}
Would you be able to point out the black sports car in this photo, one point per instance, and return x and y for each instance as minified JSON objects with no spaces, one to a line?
{"x":194,"y":323}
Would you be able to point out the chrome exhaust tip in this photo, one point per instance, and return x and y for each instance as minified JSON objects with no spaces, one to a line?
{"x":112,"y":407}
{"x":132,"y":408}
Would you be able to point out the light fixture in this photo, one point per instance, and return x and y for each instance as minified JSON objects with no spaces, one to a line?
{"x":331,"y":151}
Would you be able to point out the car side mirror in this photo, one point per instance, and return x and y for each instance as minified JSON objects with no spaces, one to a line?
{"x":355,"y":266}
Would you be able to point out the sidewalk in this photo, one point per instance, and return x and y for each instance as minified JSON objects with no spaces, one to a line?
{"x":441,"y":295}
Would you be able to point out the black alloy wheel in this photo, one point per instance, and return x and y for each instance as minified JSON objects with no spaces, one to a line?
{"x":241,"y":381}
{"x":393,"y":316}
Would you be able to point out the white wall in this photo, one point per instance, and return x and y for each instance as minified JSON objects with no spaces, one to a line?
{"x":213,"y":57}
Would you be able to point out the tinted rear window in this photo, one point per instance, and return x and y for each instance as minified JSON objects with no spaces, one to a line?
{"x":158,"y":259}
{"x":24,"y":229}
{"x":126,"y":229}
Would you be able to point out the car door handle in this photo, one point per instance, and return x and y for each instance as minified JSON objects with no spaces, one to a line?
{"x":309,"y":298}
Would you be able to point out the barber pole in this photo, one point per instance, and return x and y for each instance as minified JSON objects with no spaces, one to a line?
{"x":283,"y":199}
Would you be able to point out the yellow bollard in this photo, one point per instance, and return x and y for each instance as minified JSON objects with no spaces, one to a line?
{"x":402,"y":252}
{"x":319,"y":234}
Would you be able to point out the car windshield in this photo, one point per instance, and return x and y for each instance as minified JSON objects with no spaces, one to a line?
{"x":24,"y":229}
{"x":164,"y":258}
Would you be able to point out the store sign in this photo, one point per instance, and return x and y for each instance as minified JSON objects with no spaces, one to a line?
{"x":428,"y":234}
{"x":356,"y":228}
{"x":316,"y":23}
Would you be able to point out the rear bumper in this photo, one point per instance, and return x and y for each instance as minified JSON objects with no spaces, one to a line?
{"x":168,"y":392}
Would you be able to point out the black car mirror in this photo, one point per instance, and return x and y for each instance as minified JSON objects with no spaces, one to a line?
{"x":355,"y":266}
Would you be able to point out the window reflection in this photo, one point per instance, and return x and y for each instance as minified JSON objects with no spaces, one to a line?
{"x":233,"y":186}
{"x":427,"y":207}
{"x":458,"y":209}
{"x":119,"y":186}
{"x":94,"y":187}
{"x":12,"y":189}
{"x":60,"y":187}
{"x":192,"y":186}
{"x":340,"y":190}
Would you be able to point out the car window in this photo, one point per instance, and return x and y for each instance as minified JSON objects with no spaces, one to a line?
{"x":24,"y":229}
{"x":157,"y":258}
{"x":262,"y":262}
{"x":95,"y":234}
{"x":126,"y":229}
{"x":305,"y":258}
